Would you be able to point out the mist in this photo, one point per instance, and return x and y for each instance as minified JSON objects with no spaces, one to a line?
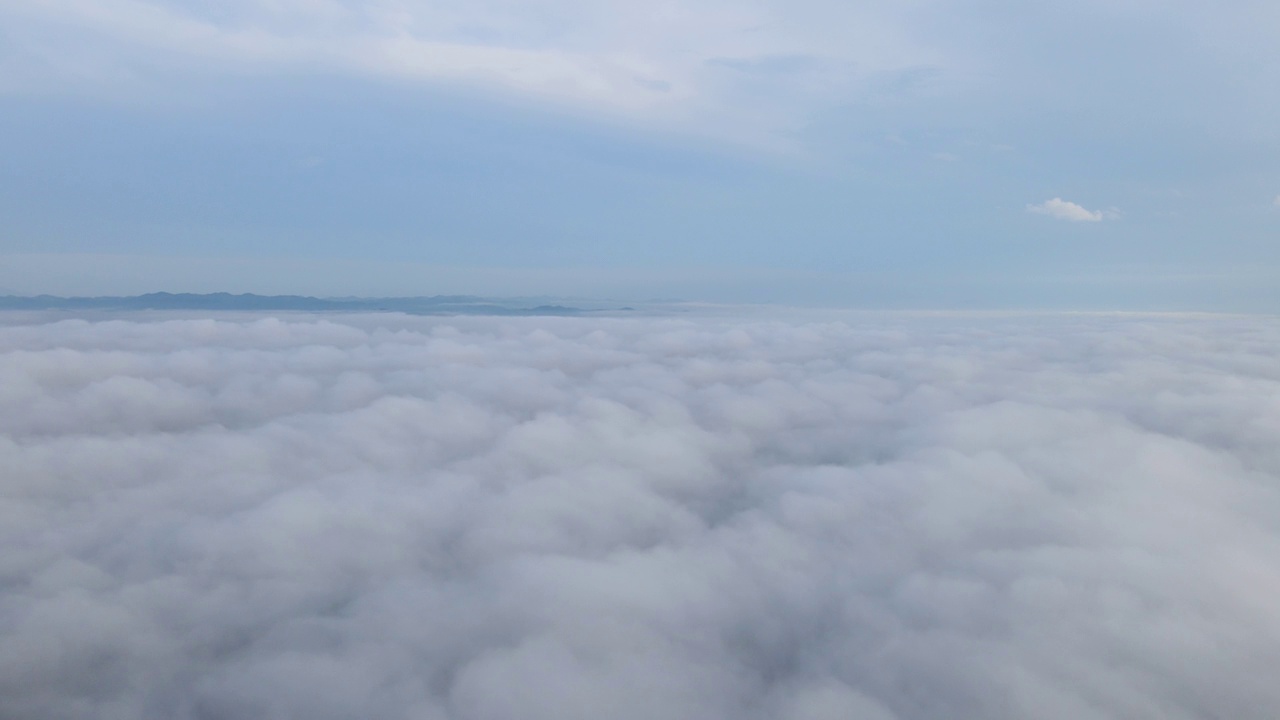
{"x":800,"y":516}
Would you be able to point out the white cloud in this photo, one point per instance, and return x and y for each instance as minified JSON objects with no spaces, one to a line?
{"x":707,"y":66}
{"x":697,"y":64}
{"x":848,"y":516}
{"x":1060,"y":209}
{"x":1276,"y":202}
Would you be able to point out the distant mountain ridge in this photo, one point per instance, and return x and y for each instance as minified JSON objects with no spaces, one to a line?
{"x":424,"y":305}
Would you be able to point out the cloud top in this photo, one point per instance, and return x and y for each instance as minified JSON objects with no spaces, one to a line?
{"x":473,"y":518}
{"x":1060,"y":209}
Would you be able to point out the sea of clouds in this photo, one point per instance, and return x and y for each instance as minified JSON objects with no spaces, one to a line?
{"x":801,"y":517}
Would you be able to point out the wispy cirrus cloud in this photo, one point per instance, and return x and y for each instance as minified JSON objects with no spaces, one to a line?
{"x":757,"y":67}
{"x":686,"y":65}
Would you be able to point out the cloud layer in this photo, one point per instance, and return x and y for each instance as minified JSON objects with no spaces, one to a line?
{"x":687,"y":65}
{"x":878,"y":517}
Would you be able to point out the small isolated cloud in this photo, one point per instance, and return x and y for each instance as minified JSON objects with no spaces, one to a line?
{"x":1060,"y":209}
{"x":1276,"y":202}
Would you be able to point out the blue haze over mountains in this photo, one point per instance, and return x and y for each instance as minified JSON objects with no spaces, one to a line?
{"x":432,"y":305}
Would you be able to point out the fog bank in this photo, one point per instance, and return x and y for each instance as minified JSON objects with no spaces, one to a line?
{"x":874,"y":517}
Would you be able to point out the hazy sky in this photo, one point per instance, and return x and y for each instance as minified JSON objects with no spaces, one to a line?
{"x":930,"y":153}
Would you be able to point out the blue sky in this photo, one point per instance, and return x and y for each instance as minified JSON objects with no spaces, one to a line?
{"x":929,"y":154}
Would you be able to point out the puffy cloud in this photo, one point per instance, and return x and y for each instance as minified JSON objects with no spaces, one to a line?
{"x":871,"y":516}
{"x":1060,"y":209}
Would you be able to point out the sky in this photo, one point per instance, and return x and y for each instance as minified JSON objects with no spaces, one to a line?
{"x":764,"y":515}
{"x":1082,"y":155}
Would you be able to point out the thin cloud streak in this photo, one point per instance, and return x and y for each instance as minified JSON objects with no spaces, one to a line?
{"x":693,"y":67}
